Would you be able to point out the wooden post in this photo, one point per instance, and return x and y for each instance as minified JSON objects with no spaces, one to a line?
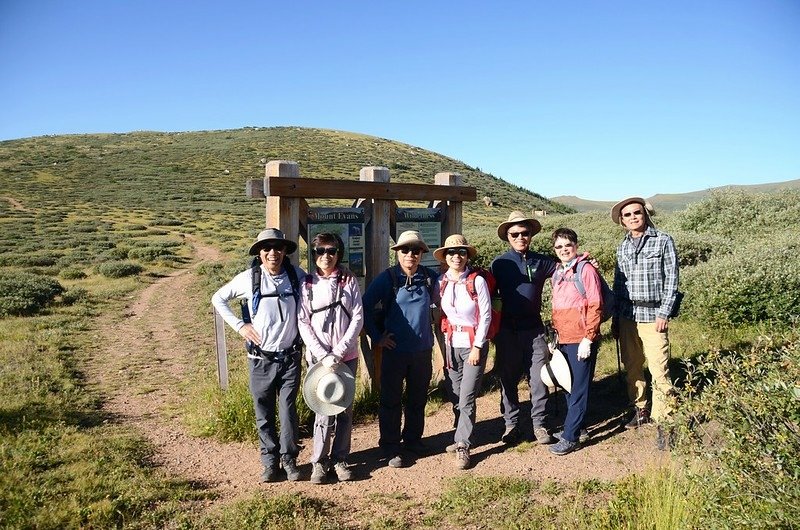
{"x":284,"y":212}
{"x":375,"y":262}
{"x":452,"y":210}
{"x":222,"y":350}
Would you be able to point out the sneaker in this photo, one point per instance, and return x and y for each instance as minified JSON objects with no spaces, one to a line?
{"x":397,"y":461}
{"x":343,"y":471}
{"x":462,"y":456}
{"x":583,"y":436}
{"x":640,"y":417}
{"x":289,"y":464}
{"x":451,"y":448}
{"x":542,"y":436}
{"x":665,"y":438}
{"x":564,"y":447}
{"x":511,"y":436}
{"x":319,"y":474}
{"x":270,"y":474}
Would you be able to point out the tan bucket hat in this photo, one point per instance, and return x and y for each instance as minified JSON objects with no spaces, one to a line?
{"x":411,"y":238}
{"x":517,"y":217}
{"x":329,"y":391}
{"x":454,"y":241}
{"x":615,"y":210}
{"x":556,"y":372}
{"x":272,"y":235}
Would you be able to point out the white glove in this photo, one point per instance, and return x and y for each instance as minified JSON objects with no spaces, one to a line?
{"x":584,"y":349}
{"x":329,"y":361}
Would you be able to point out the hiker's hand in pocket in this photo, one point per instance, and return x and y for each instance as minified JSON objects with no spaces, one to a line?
{"x":387,"y":341}
{"x":584,"y":349}
{"x":249,"y":332}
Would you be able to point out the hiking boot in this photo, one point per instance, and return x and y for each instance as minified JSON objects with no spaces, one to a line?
{"x":564,"y":447}
{"x":665,"y":438}
{"x":583,"y":435}
{"x":542,"y":436}
{"x":640,"y":417}
{"x":270,"y":474}
{"x":397,"y":461}
{"x":511,"y":436}
{"x":462,"y":456}
{"x":289,"y":464}
{"x":451,"y":448}
{"x":319,"y":473}
{"x":343,"y":471}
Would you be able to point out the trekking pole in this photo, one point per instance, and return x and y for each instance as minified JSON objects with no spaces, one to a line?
{"x":619,"y":368}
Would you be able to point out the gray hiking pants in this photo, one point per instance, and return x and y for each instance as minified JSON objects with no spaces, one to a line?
{"x":466,"y":381}
{"x":521,"y":351}
{"x":341,"y":426}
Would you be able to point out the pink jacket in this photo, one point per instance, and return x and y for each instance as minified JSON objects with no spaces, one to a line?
{"x":330,"y":331}
{"x":574,"y":316}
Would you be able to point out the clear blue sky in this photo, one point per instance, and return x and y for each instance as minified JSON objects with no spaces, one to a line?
{"x":599,"y":99}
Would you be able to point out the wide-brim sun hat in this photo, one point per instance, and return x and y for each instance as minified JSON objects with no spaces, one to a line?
{"x":272,"y":235}
{"x":329,"y":391}
{"x":454,"y":241}
{"x":617,"y":208}
{"x":517,"y":217}
{"x":556,"y":372}
{"x":412,"y":239}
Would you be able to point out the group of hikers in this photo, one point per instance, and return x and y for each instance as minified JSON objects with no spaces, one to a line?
{"x":284,"y":308}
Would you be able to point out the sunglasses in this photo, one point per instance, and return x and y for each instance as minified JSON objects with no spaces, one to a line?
{"x":637,"y":213}
{"x":565,"y":245}
{"x":515,"y":235}
{"x":330,"y":251}
{"x":277,"y":247}
{"x":406,"y":250}
{"x":456,"y":252}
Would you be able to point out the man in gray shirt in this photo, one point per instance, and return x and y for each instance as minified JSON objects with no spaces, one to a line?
{"x":269,"y":324}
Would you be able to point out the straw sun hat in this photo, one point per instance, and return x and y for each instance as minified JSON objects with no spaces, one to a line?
{"x":454,"y":241}
{"x":517,"y":217}
{"x":272,"y":235}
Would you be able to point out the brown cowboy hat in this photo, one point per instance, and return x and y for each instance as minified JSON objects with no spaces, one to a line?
{"x":517,"y":217}
{"x":615,"y":210}
{"x":454,"y":241}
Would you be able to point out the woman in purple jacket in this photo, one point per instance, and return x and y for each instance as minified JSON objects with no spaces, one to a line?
{"x":330,"y":320}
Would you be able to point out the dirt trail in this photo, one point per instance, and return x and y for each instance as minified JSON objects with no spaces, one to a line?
{"x":15,"y":204}
{"x":145,"y":372}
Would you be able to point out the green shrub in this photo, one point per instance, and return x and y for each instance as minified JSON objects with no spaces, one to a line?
{"x":746,"y":433}
{"x":23,"y":293}
{"x":150,"y":254}
{"x":73,"y":295}
{"x":119,"y":269}
{"x":746,"y":286}
{"x":72,"y":273}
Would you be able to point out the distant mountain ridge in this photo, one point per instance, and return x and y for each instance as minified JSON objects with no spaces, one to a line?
{"x":671,"y":202}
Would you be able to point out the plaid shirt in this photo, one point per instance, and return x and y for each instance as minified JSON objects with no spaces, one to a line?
{"x":647,"y":273}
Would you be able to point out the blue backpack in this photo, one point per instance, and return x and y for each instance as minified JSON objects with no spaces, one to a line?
{"x":606,"y":293}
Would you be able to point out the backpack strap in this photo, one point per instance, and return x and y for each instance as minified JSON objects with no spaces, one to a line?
{"x":577,"y":278}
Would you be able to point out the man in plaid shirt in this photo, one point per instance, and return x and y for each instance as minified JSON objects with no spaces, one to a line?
{"x":646,"y":291}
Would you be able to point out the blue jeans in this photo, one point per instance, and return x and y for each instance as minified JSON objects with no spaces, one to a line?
{"x":577,"y":400}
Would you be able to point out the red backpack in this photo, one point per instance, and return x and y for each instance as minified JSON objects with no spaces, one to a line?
{"x":494,"y":324}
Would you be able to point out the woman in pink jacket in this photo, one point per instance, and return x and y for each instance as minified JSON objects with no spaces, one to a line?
{"x":330,"y":320}
{"x":576,"y":318}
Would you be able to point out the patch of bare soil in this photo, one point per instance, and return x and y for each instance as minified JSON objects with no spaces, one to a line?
{"x":15,"y":204}
{"x":150,"y":355}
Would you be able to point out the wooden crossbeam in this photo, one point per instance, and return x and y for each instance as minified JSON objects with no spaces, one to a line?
{"x":309,"y":188}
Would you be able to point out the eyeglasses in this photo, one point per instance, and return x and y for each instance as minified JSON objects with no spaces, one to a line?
{"x":277,"y":247}
{"x":406,"y":250}
{"x":330,"y":251}
{"x":456,"y":251}
{"x":637,"y":213}
{"x":515,"y":235}
{"x":565,"y":245}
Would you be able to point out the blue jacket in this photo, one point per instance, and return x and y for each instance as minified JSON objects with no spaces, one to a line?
{"x":406,"y":315}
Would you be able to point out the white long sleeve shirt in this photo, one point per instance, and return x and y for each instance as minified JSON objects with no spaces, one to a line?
{"x":276,"y":319}
{"x":462,"y":310}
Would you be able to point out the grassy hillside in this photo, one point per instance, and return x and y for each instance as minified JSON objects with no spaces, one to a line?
{"x":175,"y":176}
{"x":672,"y":202}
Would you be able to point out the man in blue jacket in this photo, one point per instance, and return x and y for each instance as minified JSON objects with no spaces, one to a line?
{"x":520,"y":344}
{"x":397,"y":317}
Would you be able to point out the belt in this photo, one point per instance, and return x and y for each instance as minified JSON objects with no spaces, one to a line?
{"x":459,"y":327}
{"x":642,"y":303}
{"x":273,"y":356}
